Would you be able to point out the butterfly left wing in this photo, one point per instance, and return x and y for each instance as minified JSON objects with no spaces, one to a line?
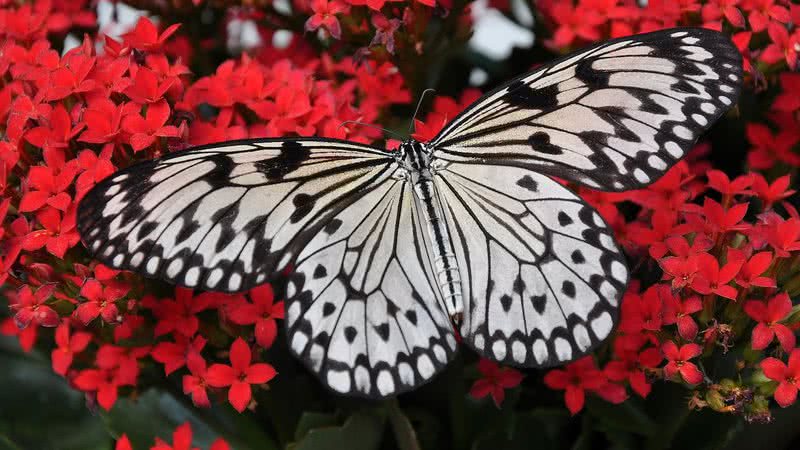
{"x":541,"y":274}
{"x":614,"y":116}
{"x":225,"y":216}
{"x":364,"y":311}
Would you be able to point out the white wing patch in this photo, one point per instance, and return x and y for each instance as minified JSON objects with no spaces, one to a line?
{"x":224,"y":217}
{"x":541,"y":273}
{"x":613,"y":117}
{"x":365,"y":312}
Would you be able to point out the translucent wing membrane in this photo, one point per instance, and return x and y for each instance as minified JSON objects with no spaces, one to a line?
{"x":365,"y":312}
{"x":542,"y":276}
{"x":614,"y":116}
{"x":226,"y":216}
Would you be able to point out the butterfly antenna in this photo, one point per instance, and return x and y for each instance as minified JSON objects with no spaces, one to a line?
{"x":397,"y":135}
{"x":413,"y":126}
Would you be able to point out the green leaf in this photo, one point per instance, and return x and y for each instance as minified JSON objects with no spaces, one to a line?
{"x":157,"y":413}
{"x":39,"y":410}
{"x":361,"y":431}
{"x":311,"y":420}
{"x":628,"y":416}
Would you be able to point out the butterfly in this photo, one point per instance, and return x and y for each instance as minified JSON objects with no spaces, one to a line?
{"x":391,"y":250}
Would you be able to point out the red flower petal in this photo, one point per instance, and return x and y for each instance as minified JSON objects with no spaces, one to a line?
{"x":239,"y":395}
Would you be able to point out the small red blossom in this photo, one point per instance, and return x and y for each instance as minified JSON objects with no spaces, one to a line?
{"x":101,"y":301}
{"x":239,"y":375}
{"x":752,"y":271}
{"x":181,"y":439}
{"x":325,"y":16}
{"x":771,"y":193}
{"x":144,"y":131}
{"x":712,"y":278}
{"x":767,"y":315}
{"x":123,"y":443}
{"x":784,"y":46}
{"x":788,"y":100}
{"x":195,"y":384}
{"x":787,"y":376}
{"x":494,"y":381}
{"x":575,"y":379}
{"x":31,"y":307}
{"x":262,"y":312}
{"x":679,"y":311}
{"x":145,"y":35}
{"x":69,"y":344}
{"x":180,"y":315}
{"x":678,"y":361}
{"x":175,"y":354}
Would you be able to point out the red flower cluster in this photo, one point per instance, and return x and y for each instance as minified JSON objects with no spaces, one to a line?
{"x":181,"y":440}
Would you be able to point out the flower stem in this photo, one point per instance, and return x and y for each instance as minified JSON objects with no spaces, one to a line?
{"x":404,"y":433}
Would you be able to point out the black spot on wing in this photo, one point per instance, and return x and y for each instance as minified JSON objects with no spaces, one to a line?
{"x":290,"y":159}
{"x":304,"y":204}
{"x":540,"y":142}
{"x":523,"y":96}
{"x":528,"y":183}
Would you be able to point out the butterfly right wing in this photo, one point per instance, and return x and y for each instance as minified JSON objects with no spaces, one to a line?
{"x":225,"y":216}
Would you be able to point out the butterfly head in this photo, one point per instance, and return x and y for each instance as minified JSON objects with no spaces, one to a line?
{"x":414,"y":155}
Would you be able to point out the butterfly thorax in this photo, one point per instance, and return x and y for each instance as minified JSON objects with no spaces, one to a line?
{"x":416,"y":159}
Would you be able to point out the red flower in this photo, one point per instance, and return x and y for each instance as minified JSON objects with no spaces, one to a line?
{"x":196,"y":384}
{"x":677,"y":311}
{"x":720,"y":182}
{"x":750,"y":274}
{"x":181,"y":440}
{"x":494,"y":381}
{"x":31,"y":306}
{"x":770,"y":148}
{"x":145,"y":35}
{"x":57,"y":132}
{"x":713,"y":279}
{"x":103,"y":382}
{"x":175,"y":354}
{"x":788,"y":100}
{"x":787,"y":377}
{"x":783,"y":46}
{"x":103,"y":119}
{"x":239,"y":375}
{"x":761,"y":11}
{"x":93,"y":168}
{"x":59,"y":232}
{"x":632,"y":364}
{"x":101,"y":301}
{"x":771,"y":193}
{"x":575,"y":379}
{"x":146,"y":87}
{"x":643,"y":313}
{"x":678,"y":361}
{"x":180,"y":315}
{"x":767,"y":315}
{"x":48,"y":184}
{"x":262,"y":312}
{"x":68,"y":346}
{"x":784,"y":237}
{"x":123,"y":443}
{"x":145,"y":130}
{"x":682,"y":271}
{"x":715,"y":9}
{"x":325,"y":16}
{"x":574,"y":22}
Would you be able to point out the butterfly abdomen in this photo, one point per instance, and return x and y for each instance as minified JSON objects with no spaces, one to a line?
{"x":448,"y":277}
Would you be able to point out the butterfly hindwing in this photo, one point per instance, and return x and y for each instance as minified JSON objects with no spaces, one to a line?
{"x":541,"y":274}
{"x":223,"y":217}
{"x":364,"y":311}
{"x":614,"y":116}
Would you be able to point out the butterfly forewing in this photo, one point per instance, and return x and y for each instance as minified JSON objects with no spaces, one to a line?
{"x":364,"y":310}
{"x":542,"y":275}
{"x":614,"y":116}
{"x":224,"y":217}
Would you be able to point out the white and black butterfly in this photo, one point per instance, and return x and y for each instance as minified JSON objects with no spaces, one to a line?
{"x":390,"y":249}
